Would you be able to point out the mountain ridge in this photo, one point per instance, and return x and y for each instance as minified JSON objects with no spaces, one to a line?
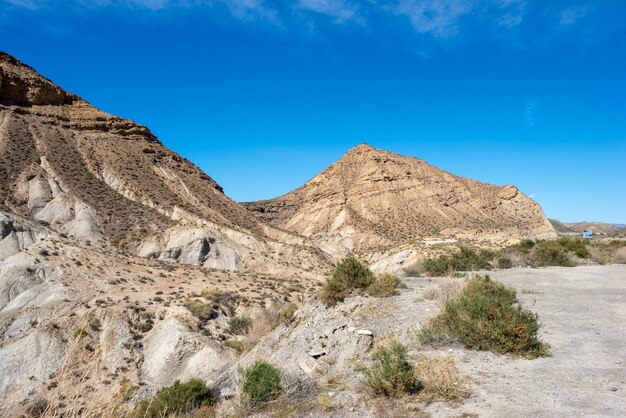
{"x":393,"y":199}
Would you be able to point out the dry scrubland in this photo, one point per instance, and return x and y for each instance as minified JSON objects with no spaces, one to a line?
{"x":378,"y":356}
{"x":131,"y":286}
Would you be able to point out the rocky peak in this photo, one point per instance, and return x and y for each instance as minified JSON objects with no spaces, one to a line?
{"x":21,"y":85}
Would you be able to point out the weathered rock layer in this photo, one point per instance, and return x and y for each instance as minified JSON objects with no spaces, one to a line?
{"x":372,"y":198}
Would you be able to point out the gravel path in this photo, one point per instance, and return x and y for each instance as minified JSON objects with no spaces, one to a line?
{"x":583,"y":315}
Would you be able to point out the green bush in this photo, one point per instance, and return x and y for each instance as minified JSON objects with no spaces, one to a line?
{"x":466,"y":259}
{"x":550,"y":253}
{"x":349,"y":274}
{"x":504,"y":262}
{"x":486,"y":316}
{"x":392,"y":374}
{"x":239,"y":325}
{"x":235,"y":345}
{"x":384,"y":286}
{"x":180,"y":398}
{"x":202,"y":311}
{"x":260,"y":383}
{"x":577,"y":246}
{"x":525,"y":246}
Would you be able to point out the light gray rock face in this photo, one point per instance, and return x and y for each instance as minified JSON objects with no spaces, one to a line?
{"x":197,"y":246}
{"x":172,"y":352}
{"x":39,"y":353}
{"x":16,"y":235}
{"x":49,"y":202}
{"x":22,"y":279}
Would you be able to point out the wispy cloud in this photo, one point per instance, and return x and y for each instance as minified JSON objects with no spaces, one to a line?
{"x":571,"y":15}
{"x":340,"y":10}
{"x":27,"y":4}
{"x":530,"y":112}
{"x":437,"y":19}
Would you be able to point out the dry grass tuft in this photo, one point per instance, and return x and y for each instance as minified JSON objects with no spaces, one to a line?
{"x":441,"y":379}
{"x":447,"y":290}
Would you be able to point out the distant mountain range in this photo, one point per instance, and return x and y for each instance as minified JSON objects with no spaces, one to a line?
{"x":598,"y":228}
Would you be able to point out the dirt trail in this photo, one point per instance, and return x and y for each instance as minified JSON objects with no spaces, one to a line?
{"x":583,"y":315}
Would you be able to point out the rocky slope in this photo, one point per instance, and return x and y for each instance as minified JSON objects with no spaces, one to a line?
{"x":120,"y":261}
{"x":92,"y":176}
{"x":372,"y":198}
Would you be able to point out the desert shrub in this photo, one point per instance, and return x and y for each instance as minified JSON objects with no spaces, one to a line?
{"x":349,"y":274}
{"x":413,"y":270}
{"x":504,"y":262}
{"x":486,"y":316}
{"x":280,"y":313}
{"x":437,"y":267}
{"x":180,"y":398}
{"x":550,"y":253}
{"x":260,"y":383}
{"x":553,"y":252}
{"x":38,"y":408}
{"x":392,"y":374}
{"x":384,"y":286}
{"x":202,"y":311}
{"x":466,"y":259}
{"x":235,"y":345}
{"x":604,"y":252}
{"x":575,"y":245}
{"x":525,"y":246}
{"x":441,"y":379}
{"x":239,"y":325}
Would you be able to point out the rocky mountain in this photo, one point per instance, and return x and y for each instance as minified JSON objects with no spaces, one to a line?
{"x":120,"y":261}
{"x":372,"y":198}
{"x":93,"y":176}
{"x":598,"y":228}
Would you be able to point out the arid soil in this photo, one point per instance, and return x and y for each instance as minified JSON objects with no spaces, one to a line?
{"x":583,"y":312}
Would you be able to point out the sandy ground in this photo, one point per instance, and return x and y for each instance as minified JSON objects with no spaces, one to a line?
{"x":583,"y":316}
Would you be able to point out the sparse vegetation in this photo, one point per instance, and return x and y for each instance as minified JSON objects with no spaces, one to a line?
{"x":604,"y":252}
{"x":486,"y":316}
{"x":235,"y":345}
{"x":504,"y":262}
{"x":281,"y":314}
{"x":351,"y":275}
{"x":557,"y":252}
{"x":239,"y":325}
{"x":413,"y":270}
{"x":466,"y":259}
{"x":178,"y":399}
{"x":392,"y":374}
{"x":260,"y":383}
{"x":384,"y":286}
{"x":202,"y":311}
{"x":441,"y":379}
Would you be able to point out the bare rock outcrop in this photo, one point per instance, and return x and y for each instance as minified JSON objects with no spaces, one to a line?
{"x":372,"y":198}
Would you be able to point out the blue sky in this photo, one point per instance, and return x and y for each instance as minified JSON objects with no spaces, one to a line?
{"x":263,"y":94}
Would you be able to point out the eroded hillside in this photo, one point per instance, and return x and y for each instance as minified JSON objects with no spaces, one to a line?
{"x":371,"y":198}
